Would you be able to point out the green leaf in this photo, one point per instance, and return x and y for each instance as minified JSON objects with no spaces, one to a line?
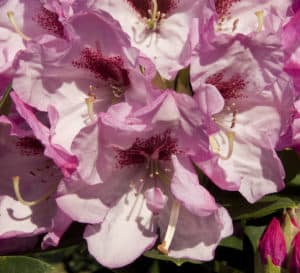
{"x":154,"y":254}
{"x":291,"y":164}
{"x":240,"y":209}
{"x":182,"y":82}
{"x":265,"y":206}
{"x":5,"y":102}
{"x":23,"y":264}
{"x":254,"y":233}
{"x":232,"y":242}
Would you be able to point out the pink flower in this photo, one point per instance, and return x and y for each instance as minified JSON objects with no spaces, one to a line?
{"x":245,"y":113}
{"x":236,"y":16}
{"x":272,"y":244}
{"x":156,"y":26}
{"x":94,"y":72}
{"x":139,"y":166}
{"x":291,"y":44}
{"x":30,"y":180}
{"x":22,"y":22}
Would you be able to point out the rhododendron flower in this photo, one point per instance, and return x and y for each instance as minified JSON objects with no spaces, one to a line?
{"x":248,"y":16}
{"x":21,"y":22}
{"x":159,"y":28}
{"x":30,"y":180}
{"x":291,"y":45}
{"x":143,"y":175}
{"x":34,"y":178}
{"x":78,"y":82}
{"x":243,"y":101}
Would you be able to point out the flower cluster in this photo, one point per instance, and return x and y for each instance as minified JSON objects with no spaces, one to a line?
{"x":110,"y":109}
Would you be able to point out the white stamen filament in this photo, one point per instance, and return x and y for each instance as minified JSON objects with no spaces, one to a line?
{"x":216,"y":146}
{"x":90,"y":107}
{"x":138,"y":190}
{"x":11,"y":18}
{"x":174,"y":214}
{"x":44,"y":197}
{"x":260,"y":18}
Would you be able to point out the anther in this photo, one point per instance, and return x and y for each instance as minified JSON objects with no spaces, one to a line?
{"x":11,"y":18}
{"x":260,"y":18}
{"x":235,"y":24}
{"x":16,"y":185}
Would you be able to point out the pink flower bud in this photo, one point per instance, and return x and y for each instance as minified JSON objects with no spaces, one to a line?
{"x":272,"y":244}
{"x":295,"y":257}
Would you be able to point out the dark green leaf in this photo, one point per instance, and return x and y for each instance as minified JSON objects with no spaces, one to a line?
{"x":291,"y":163}
{"x":232,"y":242}
{"x":240,"y":209}
{"x":154,"y":254}
{"x":254,"y":233}
{"x":5,"y":102}
{"x":266,"y":206}
{"x":182,"y":82}
{"x":23,"y":264}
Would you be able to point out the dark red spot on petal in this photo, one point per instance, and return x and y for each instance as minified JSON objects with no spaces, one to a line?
{"x":231,"y":88}
{"x":49,"y":21}
{"x":165,"y":6}
{"x":142,"y":7}
{"x":109,"y":69}
{"x":157,"y":147}
{"x":29,"y":146}
{"x":223,"y":7}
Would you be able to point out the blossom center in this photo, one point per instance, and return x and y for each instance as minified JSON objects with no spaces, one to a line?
{"x":49,"y":21}
{"x":229,"y":89}
{"x":29,"y":146}
{"x":223,"y":8}
{"x":159,"y":147}
{"x":152,"y":11}
{"x":108,"y":69}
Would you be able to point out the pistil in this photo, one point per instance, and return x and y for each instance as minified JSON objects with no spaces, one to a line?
{"x":44,"y":197}
{"x":216,"y":147}
{"x":11,"y":17}
{"x":174,"y":214}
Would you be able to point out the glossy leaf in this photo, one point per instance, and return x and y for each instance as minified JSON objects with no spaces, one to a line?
{"x":18,"y":264}
{"x":154,"y":254}
{"x":5,"y":102}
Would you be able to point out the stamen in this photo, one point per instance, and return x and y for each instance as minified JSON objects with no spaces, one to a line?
{"x":235,"y":24}
{"x":174,"y":214}
{"x":233,"y":119}
{"x":138,"y":190}
{"x":216,"y":146}
{"x":164,"y":178}
{"x":90,"y":106}
{"x":16,"y":185}
{"x":155,"y":16}
{"x":11,"y":18}
{"x":260,"y":18}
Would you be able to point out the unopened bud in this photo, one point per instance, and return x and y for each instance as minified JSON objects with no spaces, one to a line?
{"x":272,"y":246}
{"x":295,"y":257}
